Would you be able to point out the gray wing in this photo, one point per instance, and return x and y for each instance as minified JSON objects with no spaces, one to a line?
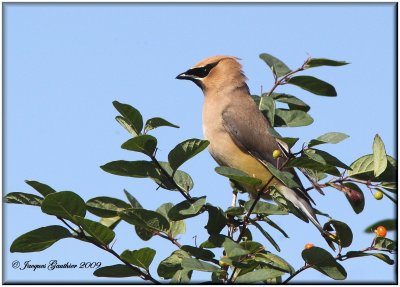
{"x":247,"y":127}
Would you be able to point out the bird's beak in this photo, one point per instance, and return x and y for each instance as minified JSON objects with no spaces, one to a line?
{"x":184,"y":76}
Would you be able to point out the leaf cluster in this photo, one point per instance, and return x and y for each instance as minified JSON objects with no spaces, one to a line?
{"x":230,"y":231}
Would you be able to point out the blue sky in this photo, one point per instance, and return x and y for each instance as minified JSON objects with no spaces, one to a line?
{"x":64,"y":64}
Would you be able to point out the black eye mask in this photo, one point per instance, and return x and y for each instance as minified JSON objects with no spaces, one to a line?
{"x":200,"y":72}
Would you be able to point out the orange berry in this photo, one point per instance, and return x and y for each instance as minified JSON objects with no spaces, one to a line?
{"x":308,"y":246}
{"x":381,"y":231}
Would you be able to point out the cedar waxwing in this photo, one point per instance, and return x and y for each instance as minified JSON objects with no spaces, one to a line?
{"x":237,"y":130}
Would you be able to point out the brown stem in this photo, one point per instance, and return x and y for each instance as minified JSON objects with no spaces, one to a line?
{"x":173,"y":240}
{"x":171,"y":180}
{"x":259,"y":193}
{"x":340,"y":180}
{"x":81,"y":234}
{"x":284,"y":79}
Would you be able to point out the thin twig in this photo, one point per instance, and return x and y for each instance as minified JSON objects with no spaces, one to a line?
{"x":340,"y":180}
{"x":258,"y":197}
{"x":171,"y":180}
{"x":81,"y":234}
{"x":339,"y":257}
{"x":284,"y":79}
{"x":173,"y":240}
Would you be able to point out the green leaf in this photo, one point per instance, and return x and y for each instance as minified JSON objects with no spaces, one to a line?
{"x":132,"y":200}
{"x":275,"y":261}
{"x":110,"y":222}
{"x":264,"y":208}
{"x":317,"y":62}
{"x":333,"y":138}
{"x":385,"y":243}
{"x":185,"y":209}
{"x":176,"y":227}
{"x":42,"y":188}
{"x":216,"y":219}
{"x":344,"y":235}
{"x":363,"y":168}
{"x":101,"y":233}
{"x":64,"y":204}
{"x":259,"y":275}
{"x":141,"y":258}
{"x":316,"y":175}
{"x":256,"y":99}
{"x":276,"y":226}
{"x":319,"y":212}
{"x":234,"y":211}
{"x":170,"y":265}
{"x":39,"y":239}
{"x":285,"y":177}
{"x":293,"y":102}
{"x":126,"y":125}
{"x":199,"y":253}
{"x":195,"y":264}
{"x":379,"y":155}
{"x":267,"y":107}
{"x":233,"y":250}
{"x":362,"y":165}
{"x":313,"y":85}
{"x":214,"y":241}
{"x":275,"y":64}
{"x":116,"y":271}
{"x":143,"y":233}
{"x":185,"y":150}
{"x":389,"y":224}
{"x":144,"y":143}
{"x":381,"y":256}
{"x":182,"y":276}
{"x":157,"y":122}
{"x":131,"y":115}
{"x":292,"y":118}
{"x":23,"y":198}
{"x":389,"y":197}
{"x":252,"y":246}
{"x":310,"y":164}
{"x":323,"y":261}
{"x":237,"y":175}
{"x":247,"y":235}
{"x":148,"y":219}
{"x":138,"y":169}
{"x":183,"y":180}
{"x":266,"y":234}
{"x":355,"y":196}
{"x":325,"y":158}
{"x":104,"y":206}
{"x":390,"y":186}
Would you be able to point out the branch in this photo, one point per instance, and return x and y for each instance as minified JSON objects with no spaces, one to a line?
{"x":306,"y":266}
{"x":339,"y":257}
{"x":169,"y":238}
{"x":286,"y":77}
{"x":81,"y":234}
{"x":171,"y":180}
{"x":258,"y":197}
{"x":338,"y":180}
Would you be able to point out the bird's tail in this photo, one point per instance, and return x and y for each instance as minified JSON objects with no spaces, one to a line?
{"x":305,"y":207}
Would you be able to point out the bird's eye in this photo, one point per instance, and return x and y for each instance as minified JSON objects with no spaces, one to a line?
{"x":201,"y":72}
